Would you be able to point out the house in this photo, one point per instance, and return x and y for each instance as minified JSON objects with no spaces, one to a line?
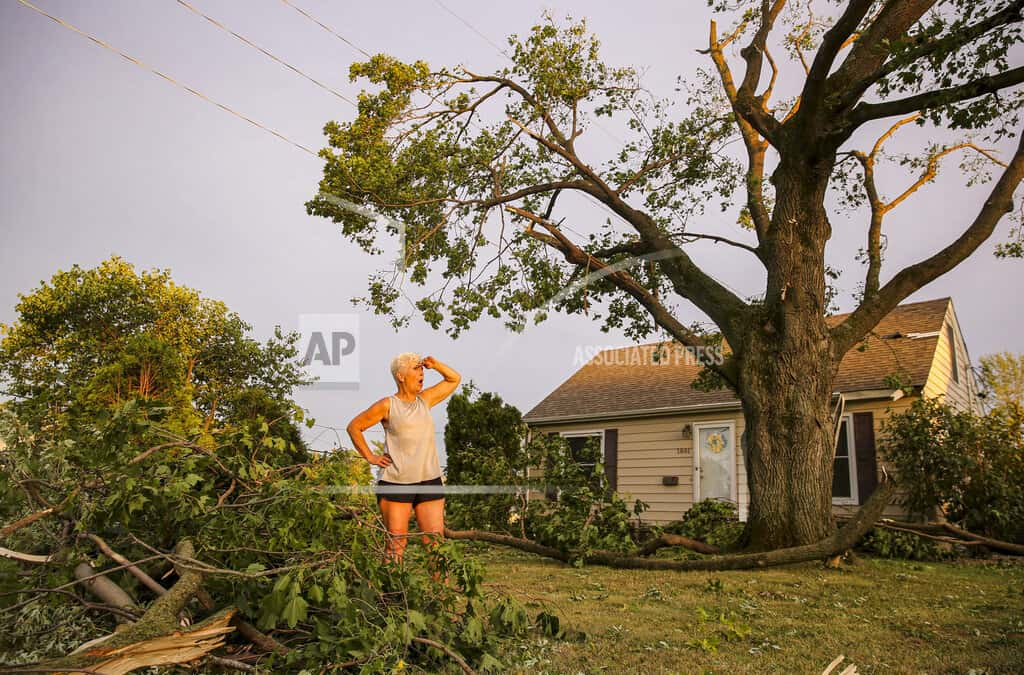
{"x":671,"y":445}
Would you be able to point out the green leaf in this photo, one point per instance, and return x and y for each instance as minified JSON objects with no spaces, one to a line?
{"x":294,"y":610}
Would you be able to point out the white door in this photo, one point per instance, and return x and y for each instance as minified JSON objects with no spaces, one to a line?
{"x":715,"y":464}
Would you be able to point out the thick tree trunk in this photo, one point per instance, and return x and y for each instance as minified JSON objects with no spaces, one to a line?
{"x":786,"y":368}
{"x":788,"y":453}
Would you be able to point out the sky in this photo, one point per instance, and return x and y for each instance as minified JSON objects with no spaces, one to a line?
{"x":101,"y":157}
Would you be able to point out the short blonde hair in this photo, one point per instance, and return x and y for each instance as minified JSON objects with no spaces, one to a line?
{"x":402,"y":360}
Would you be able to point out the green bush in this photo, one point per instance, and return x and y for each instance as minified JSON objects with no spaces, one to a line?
{"x":587,"y":514}
{"x":902,"y":545}
{"x":970,"y":466}
{"x":712,"y":521}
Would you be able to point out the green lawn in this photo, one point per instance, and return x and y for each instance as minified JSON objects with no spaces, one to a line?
{"x":883,"y":615}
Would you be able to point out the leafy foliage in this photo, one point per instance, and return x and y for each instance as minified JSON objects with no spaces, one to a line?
{"x":902,"y":545}
{"x":968,"y":465}
{"x":484,"y":439}
{"x":145,"y":415}
{"x":584,"y":514}
{"x":1002,"y":379}
{"x":712,"y":521}
{"x":570,"y":506}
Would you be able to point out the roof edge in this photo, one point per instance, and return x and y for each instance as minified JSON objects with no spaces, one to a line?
{"x":857,"y":395}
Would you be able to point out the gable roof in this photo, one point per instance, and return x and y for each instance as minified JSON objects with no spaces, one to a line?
{"x":628,"y":380}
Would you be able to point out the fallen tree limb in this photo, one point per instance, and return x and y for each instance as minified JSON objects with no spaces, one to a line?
{"x":676,"y":540}
{"x":27,"y":520}
{"x":950,"y":534}
{"x":508,"y":540}
{"x":135,"y":570}
{"x":845,"y":538}
{"x":38,"y":515}
{"x":155,"y":639}
{"x":103,"y":588}
{"x":25,"y":557}
{"x":244,"y":628}
{"x":1004,"y":546}
{"x":256,"y":636}
{"x":449,"y":651}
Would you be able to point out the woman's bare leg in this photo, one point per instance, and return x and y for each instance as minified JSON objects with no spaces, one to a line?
{"x":430,"y":519}
{"x":396,"y":520}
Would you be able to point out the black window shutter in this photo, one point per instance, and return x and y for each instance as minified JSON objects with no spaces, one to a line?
{"x":550,"y":492}
{"x":867,"y":462}
{"x":611,"y":457}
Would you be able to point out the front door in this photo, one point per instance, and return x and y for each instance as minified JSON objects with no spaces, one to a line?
{"x":715,"y":464}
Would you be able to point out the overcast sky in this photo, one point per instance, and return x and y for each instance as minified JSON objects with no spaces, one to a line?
{"x":101,"y":157}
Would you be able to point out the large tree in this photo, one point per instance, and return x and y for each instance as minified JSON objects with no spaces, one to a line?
{"x":427,"y":152}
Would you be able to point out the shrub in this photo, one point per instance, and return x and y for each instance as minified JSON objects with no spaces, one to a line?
{"x":712,"y":521}
{"x":970,"y":466}
{"x":902,"y":545}
{"x":587,"y":514}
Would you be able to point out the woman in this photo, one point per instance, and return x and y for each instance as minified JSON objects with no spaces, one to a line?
{"x":410,"y":462}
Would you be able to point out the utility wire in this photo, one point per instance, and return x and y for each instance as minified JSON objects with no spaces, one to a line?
{"x":164,"y":76}
{"x":327,"y":28}
{"x":473,"y":28}
{"x":506,"y":54}
{"x":255,"y":46}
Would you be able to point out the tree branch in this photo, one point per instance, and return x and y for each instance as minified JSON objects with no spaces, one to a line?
{"x":620,"y":278}
{"x":1009,"y":14}
{"x":831,"y":43}
{"x":865,"y":112}
{"x":747,"y":103}
{"x":844,"y":539}
{"x":909,"y":279}
{"x":723,"y":240}
{"x":752,"y":140}
{"x":871,"y":50}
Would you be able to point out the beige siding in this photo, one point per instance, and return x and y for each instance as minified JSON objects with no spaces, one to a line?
{"x":962,"y":394}
{"x":650,"y":448}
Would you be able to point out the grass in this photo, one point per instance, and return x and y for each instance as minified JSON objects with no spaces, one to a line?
{"x":882,"y":615}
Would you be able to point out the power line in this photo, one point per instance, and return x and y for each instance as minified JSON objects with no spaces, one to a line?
{"x":164,"y":76}
{"x":473,"y":28}
{"x":327,"y":28}
{"x":505,"y":54}
{"x":252,"y":44}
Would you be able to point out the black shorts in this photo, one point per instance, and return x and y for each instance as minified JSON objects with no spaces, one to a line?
{"x":414,"y":493}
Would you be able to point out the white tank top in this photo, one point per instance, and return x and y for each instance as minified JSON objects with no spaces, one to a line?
{"x":409,"y":439}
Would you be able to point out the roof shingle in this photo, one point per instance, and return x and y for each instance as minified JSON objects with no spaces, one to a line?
{"x":629,"y":380}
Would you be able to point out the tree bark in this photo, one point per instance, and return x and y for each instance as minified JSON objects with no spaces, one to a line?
{"x":676,"y":540}
{"x":786,"y":368}
{"x":103,"y":588}
{"x":840,"y":541}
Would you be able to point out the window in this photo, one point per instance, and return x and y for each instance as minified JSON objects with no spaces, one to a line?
{"x":587,"y":448}
{"x":844,"y":470}
{"x":953,"y":365}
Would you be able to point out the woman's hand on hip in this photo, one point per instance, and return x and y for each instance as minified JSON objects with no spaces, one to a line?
{"x":380,"y":460}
